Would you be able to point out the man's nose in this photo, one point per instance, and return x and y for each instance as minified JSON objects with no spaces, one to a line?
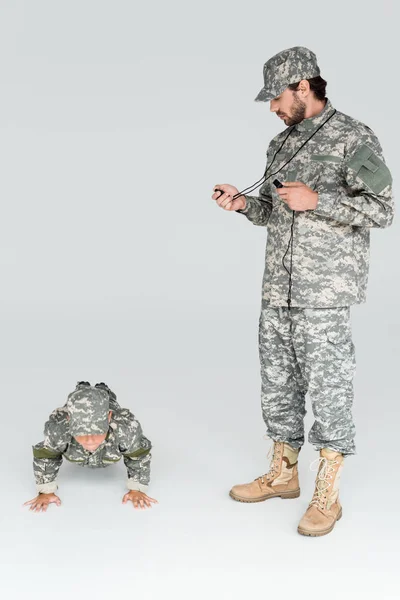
{"x":273,"y":106}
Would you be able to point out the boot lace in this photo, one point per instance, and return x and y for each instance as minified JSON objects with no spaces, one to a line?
{"x":325,"y":469}
{"x":275,"y":450}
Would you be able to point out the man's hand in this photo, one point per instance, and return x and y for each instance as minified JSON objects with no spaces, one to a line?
{"x":42,"y":501}
{"x":138,"y":499}
{"x":298,"y":196}
{"x":225,"y":200}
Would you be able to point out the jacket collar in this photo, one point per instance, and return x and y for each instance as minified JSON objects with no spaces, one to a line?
{"x":314,"y":122}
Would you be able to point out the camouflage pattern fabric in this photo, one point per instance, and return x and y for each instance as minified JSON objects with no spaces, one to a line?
{"x":286,"y":67}
{"x":308,"y":351}
{"x":344,"y":163}
{"x":88,"y":409}
{"x":124,"y":439}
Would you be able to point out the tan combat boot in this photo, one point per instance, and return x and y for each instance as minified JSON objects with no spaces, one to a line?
{"x":324,"y":509}
{"x":281,"y":480}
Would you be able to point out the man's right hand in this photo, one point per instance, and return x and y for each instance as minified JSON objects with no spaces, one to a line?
{"x":42,"y":501}
{"x":225,"y":200}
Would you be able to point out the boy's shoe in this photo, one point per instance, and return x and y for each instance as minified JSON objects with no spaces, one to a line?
{"x":282,"y":479}
{"x":324,"y":509}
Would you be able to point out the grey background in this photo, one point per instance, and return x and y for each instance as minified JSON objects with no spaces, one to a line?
{"x":117,"y":118}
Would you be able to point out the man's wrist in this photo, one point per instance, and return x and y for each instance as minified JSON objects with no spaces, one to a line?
{"x":244,"y":204}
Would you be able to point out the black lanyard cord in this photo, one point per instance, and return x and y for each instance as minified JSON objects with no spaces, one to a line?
{"x":264,"y":178}
{"x":290,"y":244}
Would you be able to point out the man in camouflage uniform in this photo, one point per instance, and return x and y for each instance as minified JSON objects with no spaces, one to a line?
{"x":336,"y":188}
{"x":92,"y":430}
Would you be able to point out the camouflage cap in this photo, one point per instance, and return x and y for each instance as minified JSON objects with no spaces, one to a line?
{"x":88,"y":409}
{"x":286,"y":67}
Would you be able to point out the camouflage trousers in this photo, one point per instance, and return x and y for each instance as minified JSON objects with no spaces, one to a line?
{"x":308,"y":350}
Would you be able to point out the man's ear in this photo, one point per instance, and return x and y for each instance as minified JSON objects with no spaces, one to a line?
{"x":304,"y":87}
{"x":109,"y":415}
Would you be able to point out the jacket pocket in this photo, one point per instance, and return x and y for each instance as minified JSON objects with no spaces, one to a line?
{"x":326,"y":158}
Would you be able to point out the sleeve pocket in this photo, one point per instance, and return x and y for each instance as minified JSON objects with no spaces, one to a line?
{"x":370,"y":169}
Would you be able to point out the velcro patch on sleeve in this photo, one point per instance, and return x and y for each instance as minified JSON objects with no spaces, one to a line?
{"x":370,"y":169}
{"x":45,"y":453}
{"x":138,"y":453}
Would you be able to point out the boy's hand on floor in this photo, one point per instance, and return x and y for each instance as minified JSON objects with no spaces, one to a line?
{"x":139,"y":499}
{"x":42,"y":501}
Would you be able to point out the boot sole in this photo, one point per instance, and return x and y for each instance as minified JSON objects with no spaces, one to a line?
{"x":284,"y":495}
{"x":319,"y":533}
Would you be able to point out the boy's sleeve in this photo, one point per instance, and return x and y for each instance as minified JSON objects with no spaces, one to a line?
{"x":135,"y":448}
{"x":47,"y":455}
{"x":368,"y":199}
{"x":138,"y":466}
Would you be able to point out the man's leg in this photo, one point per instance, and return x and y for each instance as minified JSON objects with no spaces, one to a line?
{"x":326,"y":355}
{"x":325,"y":350}
{"x":283,"y":407}
{"x":283,"y":388}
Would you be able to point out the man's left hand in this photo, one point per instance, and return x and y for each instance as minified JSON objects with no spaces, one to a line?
{"x":298,"y":196}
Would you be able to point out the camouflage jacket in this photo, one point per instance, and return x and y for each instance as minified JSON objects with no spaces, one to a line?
{"x":124,"y":439}
{"x":343,"y":162}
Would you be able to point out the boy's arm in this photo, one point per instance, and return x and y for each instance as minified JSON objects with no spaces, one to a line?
{"x":137,"y":464}
{"x":135,"y":448}
{"x":46,"y":464}
{"x":47,"y":455}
